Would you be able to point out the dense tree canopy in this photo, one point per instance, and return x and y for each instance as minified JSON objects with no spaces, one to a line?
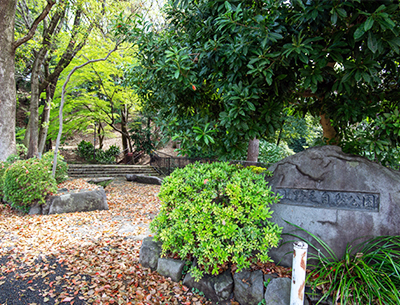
{"x":221,"y":72}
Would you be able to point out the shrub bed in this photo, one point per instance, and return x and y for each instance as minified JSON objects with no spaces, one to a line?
{"x":218,"y":214}
{"x":86,"y":151}
{"x":26,"y":182}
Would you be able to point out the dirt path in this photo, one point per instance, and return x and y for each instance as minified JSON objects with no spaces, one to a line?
{"x":87,"y":257}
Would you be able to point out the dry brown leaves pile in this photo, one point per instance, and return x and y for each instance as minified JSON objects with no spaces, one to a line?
{"x":100,"y":250}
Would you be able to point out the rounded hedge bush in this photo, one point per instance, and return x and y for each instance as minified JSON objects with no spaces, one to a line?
{"x":61,"y":168}
{"x":27,"y":182}
{"x":217,"y":213}
{"x":3,"y":167}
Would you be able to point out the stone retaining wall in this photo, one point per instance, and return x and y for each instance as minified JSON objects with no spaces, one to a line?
{"x":247,"y":287}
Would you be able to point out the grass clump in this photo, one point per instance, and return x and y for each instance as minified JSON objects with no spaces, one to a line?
{"x":368,"y":272}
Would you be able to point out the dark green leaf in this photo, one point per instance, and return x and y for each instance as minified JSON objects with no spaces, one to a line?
{"x":359,"y":33}
{"x":368,"y":23}
{"x":372,"y":43}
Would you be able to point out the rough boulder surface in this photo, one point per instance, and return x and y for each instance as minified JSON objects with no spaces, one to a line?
{"x":249,"y":287}
{"x":336,"y":196}
{"x":144,"y":179}
{"x":216,"y":288}
{"x":71,"y":202}
{"x":150,"y":252}
{"x":278,"y":291}
{"x":170,"y":268}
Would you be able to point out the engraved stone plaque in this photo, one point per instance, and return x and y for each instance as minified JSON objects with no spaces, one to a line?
{"x":330,"y":199}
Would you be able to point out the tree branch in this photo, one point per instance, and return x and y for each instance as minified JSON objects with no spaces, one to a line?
{"x":64,"y":87}
{"x":35,"y":24}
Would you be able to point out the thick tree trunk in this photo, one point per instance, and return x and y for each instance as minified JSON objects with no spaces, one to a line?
{"x":329,"y":132}
{"x":7,"y":80}
{"x":253,"y":150}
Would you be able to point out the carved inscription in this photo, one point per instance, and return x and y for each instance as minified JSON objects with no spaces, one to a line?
{"x":330,"y":199}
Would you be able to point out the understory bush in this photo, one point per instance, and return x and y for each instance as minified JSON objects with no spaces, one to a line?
{"x":368,"y":273}
{"x":217,"y":213}
{"x":61,"y":168}
{"x":3,"y":167}
{"x":27,"y":182}
{"x":86,"y":151}
{"x":271,"y":153}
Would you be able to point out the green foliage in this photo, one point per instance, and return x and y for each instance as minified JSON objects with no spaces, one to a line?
{"x":61,"y":168}
{"x":3,"y":168}
{"x":377,"y":139}
{"x":86,"y":151}
{"x":216,"y":213}
{"x":144,"y":136}
{"x":27,"y":182}
{"x":234,"y":67}
{"x":22,"y":150}
{"x":259,"y":170}
{"x":100,"y":95}
{"x":271,"y":153}
{"x":12,"y":158}
{"x":368,"y":273}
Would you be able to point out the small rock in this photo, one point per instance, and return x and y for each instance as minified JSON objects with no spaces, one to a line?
{"x":249,"y":287}
{"x":144,"y":179}
{"x":150,"y":252}
{"x":35,"y":209}
{"x":216,"y":288}
{"x":170,"y":268}
{"x":278,"y":291}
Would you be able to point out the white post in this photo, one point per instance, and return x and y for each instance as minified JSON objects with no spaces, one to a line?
{"x":298,"y":273}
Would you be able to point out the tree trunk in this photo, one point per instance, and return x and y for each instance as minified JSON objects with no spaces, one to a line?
{"x":329,"y":132}
{"x":253,"y":150}
{"x":27,"y":135}
{"x":33,"y":150}
{"x":100,"y":133}
{"x":124,"y":130}
{"x":44,"y":124}
{"x":7,"y":80}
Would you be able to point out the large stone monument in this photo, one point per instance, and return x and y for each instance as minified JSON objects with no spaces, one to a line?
{"x":336,"y":196}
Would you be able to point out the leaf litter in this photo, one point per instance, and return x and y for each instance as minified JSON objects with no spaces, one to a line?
{"x":99,"y":249}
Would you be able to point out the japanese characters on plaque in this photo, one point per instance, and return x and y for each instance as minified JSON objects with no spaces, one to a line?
{"x":330,"y":199}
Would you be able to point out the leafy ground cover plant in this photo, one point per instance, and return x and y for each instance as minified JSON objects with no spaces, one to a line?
{"x":368,"y":272}
{"x":27,"y":182}
{"x":218,"y":214}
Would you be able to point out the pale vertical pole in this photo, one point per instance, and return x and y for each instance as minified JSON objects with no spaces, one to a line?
{"x":298,"y":273}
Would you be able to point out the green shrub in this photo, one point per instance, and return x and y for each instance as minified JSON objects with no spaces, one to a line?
{"x":271,"y":153}
{"x":218,"y":214}
{"x":368,"y":273}
{"x":86,"y":151}
{"x":3,"y":167}
{"x":12,"y":158}
{"x":61,"y":168}
{"x":27,"y":182}
{"x":108,"y":156}
{"x":258,"y":169}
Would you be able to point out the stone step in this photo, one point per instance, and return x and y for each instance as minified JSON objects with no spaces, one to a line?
{"x":109,"y":170}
